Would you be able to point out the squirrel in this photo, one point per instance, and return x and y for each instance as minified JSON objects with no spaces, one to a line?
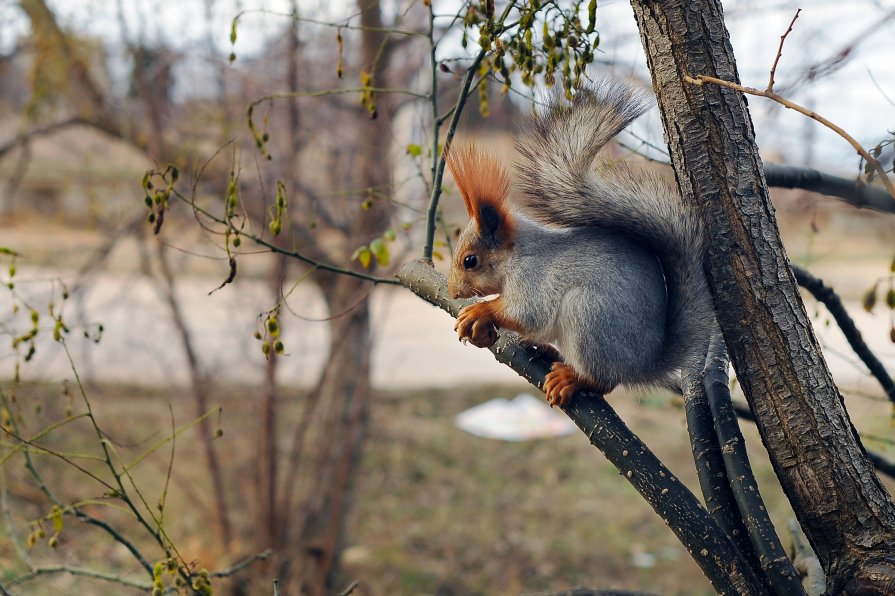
{"x":604,"y":263}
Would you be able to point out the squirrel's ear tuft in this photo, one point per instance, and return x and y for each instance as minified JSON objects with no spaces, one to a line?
{"x":481,"y":180}
{"x":490,"y":221}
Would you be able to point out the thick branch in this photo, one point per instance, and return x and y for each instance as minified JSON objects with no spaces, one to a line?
{"x":675,"y":504}
{"x":776,"y":565}
{"x":853,"y":192}
{"x":710,"y":468}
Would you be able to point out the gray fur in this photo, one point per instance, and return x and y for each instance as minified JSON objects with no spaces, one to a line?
{"x":634,"y":326}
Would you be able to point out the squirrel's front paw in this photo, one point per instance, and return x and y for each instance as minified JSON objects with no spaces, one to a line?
{"x":476,"y":324}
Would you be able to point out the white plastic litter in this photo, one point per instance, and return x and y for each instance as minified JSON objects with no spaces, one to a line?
{"x":522,"y":418}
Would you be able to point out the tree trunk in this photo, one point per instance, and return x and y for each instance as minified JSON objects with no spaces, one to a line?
{"x":843,"y":508}
{"x":346,"y":384}
{"x":345,"y":391}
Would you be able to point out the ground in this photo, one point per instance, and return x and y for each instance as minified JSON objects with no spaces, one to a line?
{"x":437,"y":511}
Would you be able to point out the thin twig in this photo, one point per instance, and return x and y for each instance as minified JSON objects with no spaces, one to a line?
{"x":157,"y":532}
{"x":237,"y":567}
{"x":331,"y":24}
{"x":780,"y":51}
{"x":438,"y":160}
{"x":289,"y":253}
{"x":700,"y":80}
{"x":79,"y":571}
{"x":431,"y":214}
{"x":200,"y":382}
{"x":339,"y":91}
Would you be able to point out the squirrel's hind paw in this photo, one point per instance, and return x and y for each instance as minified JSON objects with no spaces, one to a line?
{"x":562,"y":382}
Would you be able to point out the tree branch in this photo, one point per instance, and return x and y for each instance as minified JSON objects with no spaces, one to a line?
{"x":237,"y":567}
{"x":851,"y":191}
{"x":834,"y":305}
{"x":710,"y":467}
{"x":39,"y":132}
{"x":82,"y":572}
{"x":880,"y":463}
{"x":776,"y":565}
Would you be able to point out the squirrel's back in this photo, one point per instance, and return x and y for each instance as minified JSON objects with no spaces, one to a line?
{"x":561,"y":186}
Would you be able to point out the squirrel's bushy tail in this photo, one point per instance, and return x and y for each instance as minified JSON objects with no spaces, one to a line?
{"x":561,"y":185}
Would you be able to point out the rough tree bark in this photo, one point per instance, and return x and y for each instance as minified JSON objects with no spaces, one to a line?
{"x":843,"y":508}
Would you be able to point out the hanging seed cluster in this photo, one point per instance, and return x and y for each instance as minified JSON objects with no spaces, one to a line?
{"x":279,"y":210}
{"x":158,"y":186}
{"x":24,"y":341}
{"x":261,"y":135}
{"x":269,"y":333}
{"x":546,"y":41}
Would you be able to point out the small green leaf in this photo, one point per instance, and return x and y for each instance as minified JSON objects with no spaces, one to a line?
{"x":380,"y":251}
{"x":363,"y":256}
{"x":414,"y":150}
{"x":389,"y":235}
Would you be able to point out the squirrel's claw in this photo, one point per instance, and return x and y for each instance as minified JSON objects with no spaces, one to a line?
{"x":561,"y":383}
{"x":476,"y":325}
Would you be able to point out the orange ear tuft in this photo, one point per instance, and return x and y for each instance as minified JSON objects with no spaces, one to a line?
{"x":480,"y":178}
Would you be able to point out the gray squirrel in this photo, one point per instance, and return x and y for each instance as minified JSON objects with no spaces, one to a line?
{"x":604,"y":263}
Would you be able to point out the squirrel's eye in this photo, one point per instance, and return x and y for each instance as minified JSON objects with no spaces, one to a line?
{"x":470,"y":261}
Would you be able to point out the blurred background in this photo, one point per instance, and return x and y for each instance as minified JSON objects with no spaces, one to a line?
{"x":267,"y":404}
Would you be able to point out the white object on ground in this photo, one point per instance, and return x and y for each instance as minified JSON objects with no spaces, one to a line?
{"x":521,"y":419}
